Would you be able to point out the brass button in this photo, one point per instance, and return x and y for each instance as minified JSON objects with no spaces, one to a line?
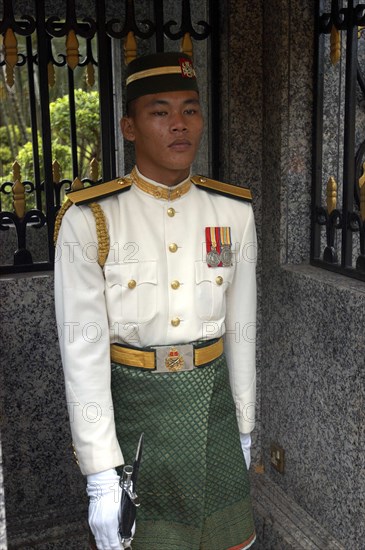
{"x":175,"y":322}
{"x":175,"y":285}
{"x":173,"y":247}
{"x":132,"y":284}
{"x":202,"y":180}
{"x":171,"y":212}
{"x":219,"y":280}
{"x":157,"y":194}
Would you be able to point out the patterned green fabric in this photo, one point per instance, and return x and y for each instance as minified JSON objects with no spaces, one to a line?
{"x":193,"y":483}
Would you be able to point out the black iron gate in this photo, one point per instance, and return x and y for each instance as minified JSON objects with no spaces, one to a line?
{"x":36,"y":48}
{"x":338,"y":196}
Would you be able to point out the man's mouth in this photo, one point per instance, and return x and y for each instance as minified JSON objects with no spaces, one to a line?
{"x":180,"y":145}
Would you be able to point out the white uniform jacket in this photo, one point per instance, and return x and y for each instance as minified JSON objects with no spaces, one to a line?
{"x":156,"y":272}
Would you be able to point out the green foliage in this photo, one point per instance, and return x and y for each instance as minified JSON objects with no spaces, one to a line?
{"x":61,"y":153}
{"x":88,"y":139}
{"x":6,"y":155}
{"x":13,"y":131}
{"x":88,"y":142}
{"x":87,"y":124}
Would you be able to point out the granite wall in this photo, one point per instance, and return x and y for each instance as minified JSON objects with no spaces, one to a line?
{"x":312,"y":321}
{"x":44,"y":491}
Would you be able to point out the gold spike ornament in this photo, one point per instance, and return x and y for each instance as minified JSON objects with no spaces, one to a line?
{"x":90,"y":74}
{"x":72,"y":50}
{"x":19,"y":199}
{"x":10,"y":55}
{"x":130,"y":48}
{"x":335,"y":45}
{"x":51,"y":75}
{"x":94,"y":169}
{"x":331,"y":194}
{"x":18,"y":191}
{"x":56,"y":171}
{"x":77,"y":184}
{"x":187,"y":45}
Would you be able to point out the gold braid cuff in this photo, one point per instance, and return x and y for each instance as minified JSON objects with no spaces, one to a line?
{"x":101,"y":232}
{"x":62,"y":211}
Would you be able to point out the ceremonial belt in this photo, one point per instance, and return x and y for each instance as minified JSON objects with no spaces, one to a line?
{"x":172,"y":358}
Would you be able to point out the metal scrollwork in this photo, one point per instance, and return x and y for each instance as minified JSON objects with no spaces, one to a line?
{"x":332,"y":221}
{"x":130,"y":25}
{"x":55,"y":28}
{"x":359,"y":172}
{"x":25,"y":27}
{"x":356,"y":224}
{"x":7,"y":187}
{"x":186,"y":25}
{"x":22,"y":256}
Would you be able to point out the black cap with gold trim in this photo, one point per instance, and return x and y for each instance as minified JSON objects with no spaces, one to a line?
{"x":160,"y":72}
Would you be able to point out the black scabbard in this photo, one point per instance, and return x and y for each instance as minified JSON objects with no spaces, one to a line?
{"x":129,"y":500}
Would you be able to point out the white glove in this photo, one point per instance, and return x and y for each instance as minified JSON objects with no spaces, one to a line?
{"x":246,"y":446}
{"x":104,"y":508}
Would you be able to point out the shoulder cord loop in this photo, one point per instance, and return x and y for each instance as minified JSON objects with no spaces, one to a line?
{"x":101,"y":228}
{"x":101,"y":232}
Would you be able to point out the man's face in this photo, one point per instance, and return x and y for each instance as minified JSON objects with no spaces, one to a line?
{"x":166,"y":129}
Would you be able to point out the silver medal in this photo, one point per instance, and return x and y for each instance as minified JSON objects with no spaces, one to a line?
{"x":213,"y":258}
{"x":226,"y":255}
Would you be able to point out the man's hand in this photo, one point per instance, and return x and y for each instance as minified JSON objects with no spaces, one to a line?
{"x":104,"y":508}
{"x":246,"y":448}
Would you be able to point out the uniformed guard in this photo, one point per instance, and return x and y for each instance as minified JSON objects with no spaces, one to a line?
{"x":156,"y":301}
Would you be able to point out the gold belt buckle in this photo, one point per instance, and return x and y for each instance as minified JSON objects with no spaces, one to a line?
{"x":174,"y":358}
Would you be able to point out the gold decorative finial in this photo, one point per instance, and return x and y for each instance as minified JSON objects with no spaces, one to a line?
{"x":18,"y":191}
{"x":16,"y":171}
{"x":130,"y":48}
{"x":187,"y":44}
{"x":331,"y":194}
{"x":72,"y":50}
{"x":77,"y":184}
{"x":94,"y":169}
{"x":51,"y":75}
{"x":19,"y":199}
{"x":10,"y":55}
{"x":56,"y":171}
{"x":90,"y":74}
{"x":335,"y":45}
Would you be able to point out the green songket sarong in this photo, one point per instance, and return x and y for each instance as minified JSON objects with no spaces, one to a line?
{"x":193,"y":483}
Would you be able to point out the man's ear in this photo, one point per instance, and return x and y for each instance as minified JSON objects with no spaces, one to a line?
{"x":127,"y":127}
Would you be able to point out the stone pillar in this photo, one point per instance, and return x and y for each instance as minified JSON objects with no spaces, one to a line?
{"x":3,"y":544}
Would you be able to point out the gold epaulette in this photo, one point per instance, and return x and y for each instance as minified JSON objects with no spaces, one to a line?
{"x":225,"y":189}
{"x":99,"y":191}
{"x":89,"y":195}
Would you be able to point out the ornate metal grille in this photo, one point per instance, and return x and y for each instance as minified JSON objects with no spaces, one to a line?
{"x":338,"y":196}
{"x":40,"y":46}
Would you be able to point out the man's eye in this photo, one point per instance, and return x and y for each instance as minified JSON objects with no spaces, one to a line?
{"x":190,"y":111}
{"x":159,"y":113}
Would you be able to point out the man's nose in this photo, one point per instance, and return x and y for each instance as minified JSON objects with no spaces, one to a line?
{"x":178,"y":123}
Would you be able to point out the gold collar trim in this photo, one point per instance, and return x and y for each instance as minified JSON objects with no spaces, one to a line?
{"x":164,"y":193}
